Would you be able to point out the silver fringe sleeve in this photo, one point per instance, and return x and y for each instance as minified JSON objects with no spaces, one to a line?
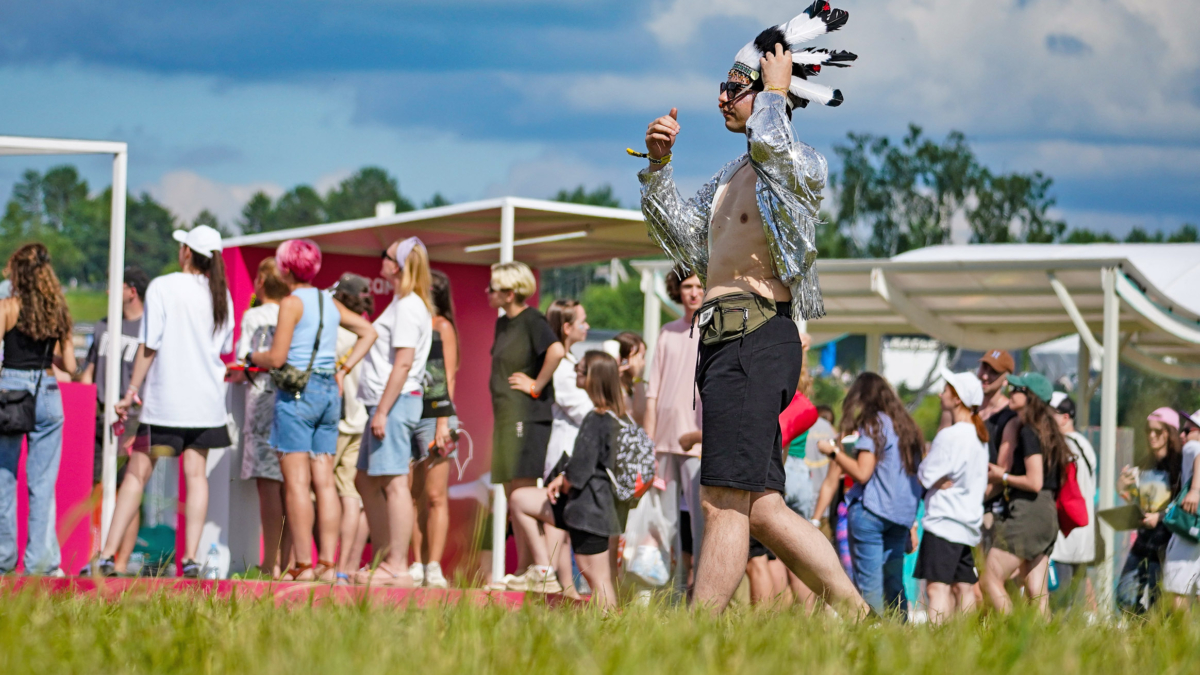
{"x":679,"y":226}
{"x":791,"y":176}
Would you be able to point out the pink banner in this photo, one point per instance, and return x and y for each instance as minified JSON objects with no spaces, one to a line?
{"x":73,"y":489}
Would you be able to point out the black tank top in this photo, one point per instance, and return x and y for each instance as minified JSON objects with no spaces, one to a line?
{"x":22,"y":352}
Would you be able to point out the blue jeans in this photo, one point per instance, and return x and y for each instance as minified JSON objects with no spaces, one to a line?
{"x":308,"y":423}
{"x":1139,"y":575}
{"x":798,"y":494}
{"x":41,"y":472}
{"x":877,"y":550}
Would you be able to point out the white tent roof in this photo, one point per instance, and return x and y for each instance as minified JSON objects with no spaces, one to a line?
{"x":546,"y":233}
{"x":1004,"y":295}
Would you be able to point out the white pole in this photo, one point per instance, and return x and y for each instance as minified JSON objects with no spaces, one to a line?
{"x":508,"y":227}
{"x":112,"y":371}
{"x":651,"y":312}
{"x":875,"y":353}
{"x":1108,"y":429}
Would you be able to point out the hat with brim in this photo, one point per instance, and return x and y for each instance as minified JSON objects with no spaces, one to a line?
{"x":966,"y":385}
{"x":1034,"y":383}
{"x":202,"y":239}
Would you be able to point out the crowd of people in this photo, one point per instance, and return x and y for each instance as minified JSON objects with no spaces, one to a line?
{"x":349,"y":425}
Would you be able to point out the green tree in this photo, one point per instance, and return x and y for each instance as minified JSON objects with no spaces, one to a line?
{"x":1185,"y":234}
{"x":258,"y":215}
{"x":1085,"y":236}
{"x":1014,"y":202}
{"x":1140,"y":236}
{"x":617,"y":308}
{"x":357,"y":196}
{"x":435,"y":201}
{"x":601,"y":196}
{"x":206,"y":217}
{"x":298,"y":207}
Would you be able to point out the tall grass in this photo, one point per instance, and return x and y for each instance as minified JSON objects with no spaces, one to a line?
{"x":200,"y":634}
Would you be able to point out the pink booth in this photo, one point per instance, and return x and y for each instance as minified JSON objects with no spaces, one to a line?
{"x":463,"y":241}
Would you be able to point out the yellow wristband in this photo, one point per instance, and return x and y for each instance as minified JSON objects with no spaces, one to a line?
{"x":778,"y":89}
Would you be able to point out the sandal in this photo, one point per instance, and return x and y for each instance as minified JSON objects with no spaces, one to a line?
{"x":323,"y":568}
{"x":384,"y":576}
{"x":343,"y":579}
{"x":293,"y":573}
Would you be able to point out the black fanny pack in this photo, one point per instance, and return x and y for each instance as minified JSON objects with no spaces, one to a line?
{"x":18,"y":408}
{"x":729,"y":317}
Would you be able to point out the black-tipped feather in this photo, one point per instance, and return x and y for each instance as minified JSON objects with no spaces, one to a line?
{"x":766,"y":40}
{"x":836,"y":19}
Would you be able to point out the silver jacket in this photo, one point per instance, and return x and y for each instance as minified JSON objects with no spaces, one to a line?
{"x":791,"y":175}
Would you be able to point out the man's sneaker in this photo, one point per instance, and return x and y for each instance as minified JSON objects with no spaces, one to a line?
{"x":434,"y":577}
{"x":536,"y":581}
{"x":417,"y":572}
{"x":191,"y":569}
{"x":502,"y":583}
{"x":56,"y":573}
{"x":648,"y":566}
{"x":104,"y":567}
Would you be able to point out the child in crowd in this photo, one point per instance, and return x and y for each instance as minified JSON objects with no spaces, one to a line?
{"x":260,"y":462}
{"x":581,"y":499}
{"x":954,"y":473}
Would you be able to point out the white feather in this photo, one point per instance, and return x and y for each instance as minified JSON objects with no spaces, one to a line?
{"x":749,"y":56}
{"x":811,"y":91}
{"x":810,"y":57}
{"x":803,"y":28}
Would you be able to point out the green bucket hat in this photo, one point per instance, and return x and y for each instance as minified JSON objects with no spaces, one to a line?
{"x":1036,"y":383}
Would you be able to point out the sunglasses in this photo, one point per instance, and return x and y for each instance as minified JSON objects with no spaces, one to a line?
{"x":1156,"y":432}
{"x":490,"y":290}
{"x":735,"y":90}
{"x":384,"y":256}
{"x":1019,"y":390}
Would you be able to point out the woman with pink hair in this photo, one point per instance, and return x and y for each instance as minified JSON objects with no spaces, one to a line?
{"x":308,"y":402}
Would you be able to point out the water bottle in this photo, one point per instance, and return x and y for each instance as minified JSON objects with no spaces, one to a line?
{"x":212,"y":563}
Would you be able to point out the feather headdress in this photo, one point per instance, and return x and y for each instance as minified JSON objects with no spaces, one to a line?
{"x":816,"y":21}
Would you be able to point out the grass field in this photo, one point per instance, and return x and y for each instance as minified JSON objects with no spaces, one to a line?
{"x":199,"y":634}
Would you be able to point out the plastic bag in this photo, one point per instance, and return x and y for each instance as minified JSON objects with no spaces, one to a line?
{"x":650,"y":536}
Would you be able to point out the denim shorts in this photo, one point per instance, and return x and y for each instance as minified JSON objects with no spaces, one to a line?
{"x":798,"y":494}
{"x":424,"y":434}
{"x":391,"y":455}
{"x":308,"y":422}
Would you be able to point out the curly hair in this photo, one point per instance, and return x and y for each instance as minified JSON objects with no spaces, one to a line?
{"x":868,"y":398}
{"x":1037,"y":415}
{"x":44,"y":312}
{"x":675,"y":279}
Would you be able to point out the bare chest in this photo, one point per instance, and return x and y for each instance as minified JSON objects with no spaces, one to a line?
{"x":735,"y":215}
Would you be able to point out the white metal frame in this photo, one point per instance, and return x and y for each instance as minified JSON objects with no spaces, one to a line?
{"x":16,"y":145}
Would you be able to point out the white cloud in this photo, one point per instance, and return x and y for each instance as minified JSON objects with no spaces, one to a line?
{"x":187,"y":194}
{"x":544,"y":176}
{"x":655,"y":93}
{"x":328,"y":181}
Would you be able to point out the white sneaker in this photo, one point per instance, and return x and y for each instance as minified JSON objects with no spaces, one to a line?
{"x":434,"y":577}
{"x":502,"y":583}
{"x":417,"y":572}
{"x":536,"y":581}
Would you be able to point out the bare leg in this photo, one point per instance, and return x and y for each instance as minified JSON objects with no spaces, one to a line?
{"x":416,"y":485}
{"x":559,"y":543}
{"x":329,"y":512}
{"x":941,"y":601}
{"x":360,"y":540}
{"x":297,"y":481}
{"x":121,"y":562}
{"x":724,"y":548}
{"x":599,"y":576}
{"x":528,"y":506}
{"x":524,"y":553}
{"x":129,"y":501}
{"x":762,"y":588}
{"x":805,"y":551}
{"x":434,"y":511}
{"x":195,"y":472}
{"x":802,"y":593}
{"x":1037,"y":579}
{"x":966,"y":596}
{"x":270,"y":510}
{"x":399,"y":520}
{"x":352,"y":513}
{"x":779,"y":578}
{"x":375,"y":510}
{"x":1000,"y":566}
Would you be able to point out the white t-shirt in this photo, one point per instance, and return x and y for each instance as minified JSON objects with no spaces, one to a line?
{"x":571,"y":405}
{"x":955,"y":513}
{"x":354,"y":413}
{"x":186,"y":383}
{"x":405,"y":323}
{"x":258,"y":329}
{"x":1080,"y":545}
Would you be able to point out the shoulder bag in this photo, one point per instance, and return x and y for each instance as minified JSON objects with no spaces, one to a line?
{"x":291,"y":379}
{"x":18,"y":407}
{"x":1180,"y":522}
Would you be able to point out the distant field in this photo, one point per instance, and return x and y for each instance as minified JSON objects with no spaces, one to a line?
{"x":199,"y":634}
{"x":87,"y":306}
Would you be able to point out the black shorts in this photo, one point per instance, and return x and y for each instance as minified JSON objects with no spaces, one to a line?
{"x":171,"y":441}
{"x":582,"y":543}
{"x":944,"y":561}
{"x":133,"y":431}
{"x":685,"y":532}
{"x":745,"y":384}
{"x":758,"y":549}
{"x":519,"y":450}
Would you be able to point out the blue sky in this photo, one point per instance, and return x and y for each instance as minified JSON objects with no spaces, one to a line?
{"x":476,"y":98}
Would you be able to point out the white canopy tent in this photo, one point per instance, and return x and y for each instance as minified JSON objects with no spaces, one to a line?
{"x":15,"y":145}
{"x":1138,"y":302}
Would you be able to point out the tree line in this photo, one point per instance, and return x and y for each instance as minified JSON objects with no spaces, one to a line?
{"x":888,"y":196}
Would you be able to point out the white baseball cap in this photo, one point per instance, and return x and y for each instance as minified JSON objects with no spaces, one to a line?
{"x":966,"y":385}
{"x":202,"y":239}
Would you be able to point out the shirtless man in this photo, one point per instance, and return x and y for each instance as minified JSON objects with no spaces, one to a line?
{"x":757,"y":268}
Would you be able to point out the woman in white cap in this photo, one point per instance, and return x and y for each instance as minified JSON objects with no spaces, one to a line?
{"x":954,"y":474}
{"x":187,"y":326}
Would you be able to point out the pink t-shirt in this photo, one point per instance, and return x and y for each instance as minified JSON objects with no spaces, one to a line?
{"x":672,"y":382}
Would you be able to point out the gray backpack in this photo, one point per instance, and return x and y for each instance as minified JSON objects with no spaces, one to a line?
{"x":634,"y":465}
